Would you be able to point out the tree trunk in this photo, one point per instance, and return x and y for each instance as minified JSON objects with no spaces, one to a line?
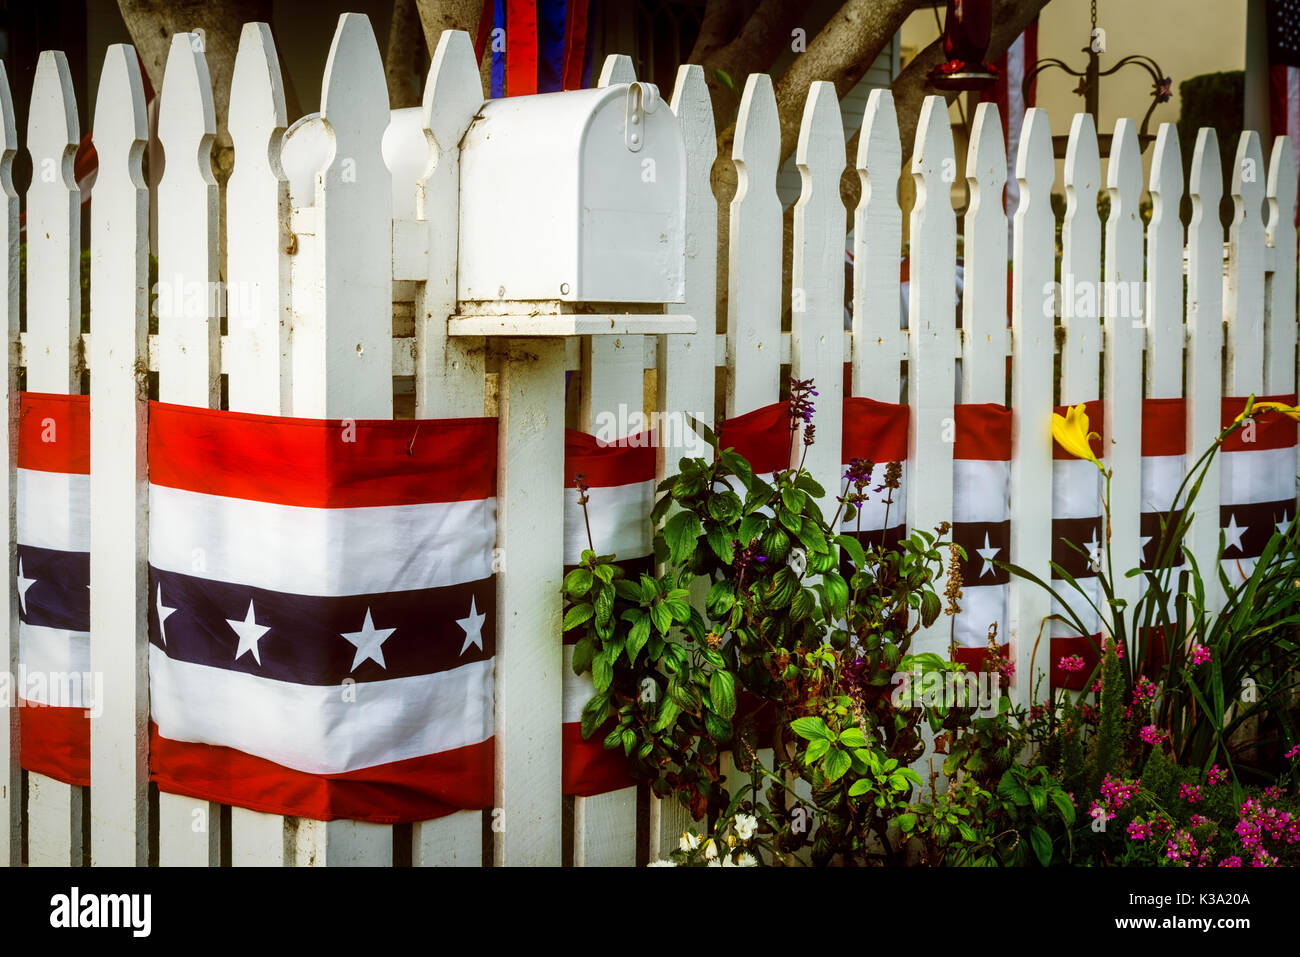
{"x":405,"y":40}
{"x":439,"y":15}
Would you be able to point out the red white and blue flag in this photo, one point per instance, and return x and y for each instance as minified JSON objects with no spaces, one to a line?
{"x":322,"y":631}
{"x":1257,"y":484}
{"x":54,"y":683}
{"x":537,"y":46}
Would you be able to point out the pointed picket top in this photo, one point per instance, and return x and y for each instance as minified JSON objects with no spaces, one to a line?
{"x":121,"y":119}
{"x":8,"y":129}
{"x":52,"y":126}
{"x":694,"y":111}
{"x":1124,"y":171}
{"x":933,"y":145}
{"x":258,"y":115}
{"x":1206,"y":180}
{"x":454,"y":91}
{"x":757,"y":147}
{"x":618,"y":68}
{"x":877,"y":245}
{"x":819,"y":130}
{"x":984,"y":320}
{"x":187,"y":119}
{"x":1243,"y":299}
{"x":1081,"y":264}
{"x":354,"y":99}
{"x":1164,"y":369}
{"x":1035,"y":164}
{"x":1280,"y":233}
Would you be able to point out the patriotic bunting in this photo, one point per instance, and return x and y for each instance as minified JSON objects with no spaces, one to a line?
{"x":1257,"y":483}
{"x":54,"y":684}
{"x":537,"y":46}
{"x":981,"y":525}
{"x":1078,"y":543}
{"x":877,"y":432}
{"x":620,"y":491}
{"x":321,"y":630}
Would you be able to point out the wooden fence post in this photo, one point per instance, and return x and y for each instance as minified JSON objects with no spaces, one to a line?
{"x":11,"y":774}
{"x":984,"y":274}
{"x":119,"y":494}
{"x":54,"y":364}
{"x":877,"y":244}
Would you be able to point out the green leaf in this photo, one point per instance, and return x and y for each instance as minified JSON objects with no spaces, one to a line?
{"x":583,"y":652}
{"x":1038,"y":797}
{"x":816,"y":749}
{"x":604,"y":604}
{"x":602,"y":672}
{"x":668,"y":712}
{"x":594,"y":714}
{"x":791,"y":520}
{"x":718,"y":727}
{"x":853,"y":738}
{"x":931,"y":608}
{"x":750,"y":527}
{"x":836,"y":764}
{"x":1063,"y":805}
{"x":721,"y":598}
{"x":722,"y":689}
{"x":627,"y":590}
{"x":637,"y":636}
{"x":719,"y":540}
{"x":578,"y":582}
{"x":810,"y":727}
{"x":629,"y":741}
{"x":663,"y":618}
{"x":1042,"y":845}
{"x":681,"y":533}
{"x":793,"y":499}
{"x":837,"y":593}
{"x":576,"y":615}
{"x":905,"y":822}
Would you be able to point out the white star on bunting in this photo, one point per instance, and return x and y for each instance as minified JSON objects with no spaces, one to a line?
{"x":1232,"y":534}
{"x":1094,"y":552}
{"x":249,"y":632}
{"x":1143,"y":541}
{"x":164,"y":613}
{"x":472,"y":625}
{"x":23,"y":585}
{"x":1283,"y":525}
{"x":987,"y":553}
{"x":369,"y":642}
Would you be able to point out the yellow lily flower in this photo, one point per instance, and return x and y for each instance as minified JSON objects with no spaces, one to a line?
{"x":1255,"y":407}
{"x":1071,"y":433}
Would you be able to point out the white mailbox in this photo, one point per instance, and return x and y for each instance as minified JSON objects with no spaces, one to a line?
{"x":578,"y":197}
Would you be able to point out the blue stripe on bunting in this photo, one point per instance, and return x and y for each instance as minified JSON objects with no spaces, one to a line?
{"x":58,"y":596}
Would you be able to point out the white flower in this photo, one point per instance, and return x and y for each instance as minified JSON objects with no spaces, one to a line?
{"x":746,"y":825}
{"x":714,"y":863}
{"x":710,"y":851}
{"x":746,"y":859}
{"x":662,"y":864}
{"x":689,"y":841}
{"x":728,"y":862}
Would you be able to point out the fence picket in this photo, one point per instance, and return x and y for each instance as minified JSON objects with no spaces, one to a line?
{"x":1280,"y":235}
{"x":54,"y":362}
{"x":984,"y":286}
{"x":877,"y":244}
{"x":189,"y":333}
{"x":686,"y":364}
{"x":1164,"y":292}
{"x":10,"y":774}
{"x":258,"y":304}
{"x":119,"y":495}
{"x":1032,"y":334}
{"x":817,"y":309}
{"x":931,"y":340}
{"x":1205,"y":346}
{"x":342,"y":364}
{"x":449,"y":371}
{"x":1124,"y":330}
{"x":1243,"y":289}
{"x":754,"y":258}
{"x":1081,"y":266}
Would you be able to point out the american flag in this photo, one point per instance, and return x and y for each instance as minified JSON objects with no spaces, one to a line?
{"x":322,"y":631}
{"x":1256,"y":484}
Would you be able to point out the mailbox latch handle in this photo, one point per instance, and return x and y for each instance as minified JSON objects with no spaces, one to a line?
{"x":642,"y":98}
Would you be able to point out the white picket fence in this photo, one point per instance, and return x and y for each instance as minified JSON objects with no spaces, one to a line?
{"x":357,"y":253}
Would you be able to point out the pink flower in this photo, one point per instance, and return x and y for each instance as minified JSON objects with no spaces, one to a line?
{"x":1137,"y":831}
{"x":1293,"y":752}
{"x":1197,"y":820}
{"x":1191,"y":792}
{"x":1216,"y":774}
{"x":1200,"y":654}
{"x":1233,"y":861}
{"x":1152,"y":735}
{"x":1071,"y":663}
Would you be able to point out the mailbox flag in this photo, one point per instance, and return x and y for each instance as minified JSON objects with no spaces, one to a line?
{"x":537,"y":46}
{"x":322,"y":613}
{"x":54,"y":684}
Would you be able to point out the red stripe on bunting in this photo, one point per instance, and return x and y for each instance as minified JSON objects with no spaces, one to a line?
{"x":1272,"y":430}
{"x":417,"y":789}
{"x":1096,"y":423}
{"x":763,"y":437}
{"x":317,"y":463}
{"x":589,"y":768}
{"x":876,"y":431}
{"x":521,"y":47}
{"x":974,"y":658}
{"x":55,"y":742}
{"x":983,"y":432}
{"x":1084,"y":646}
{"x":1164,"y":429}
{"x":54,"y":433}
{"x":626,"y":462}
